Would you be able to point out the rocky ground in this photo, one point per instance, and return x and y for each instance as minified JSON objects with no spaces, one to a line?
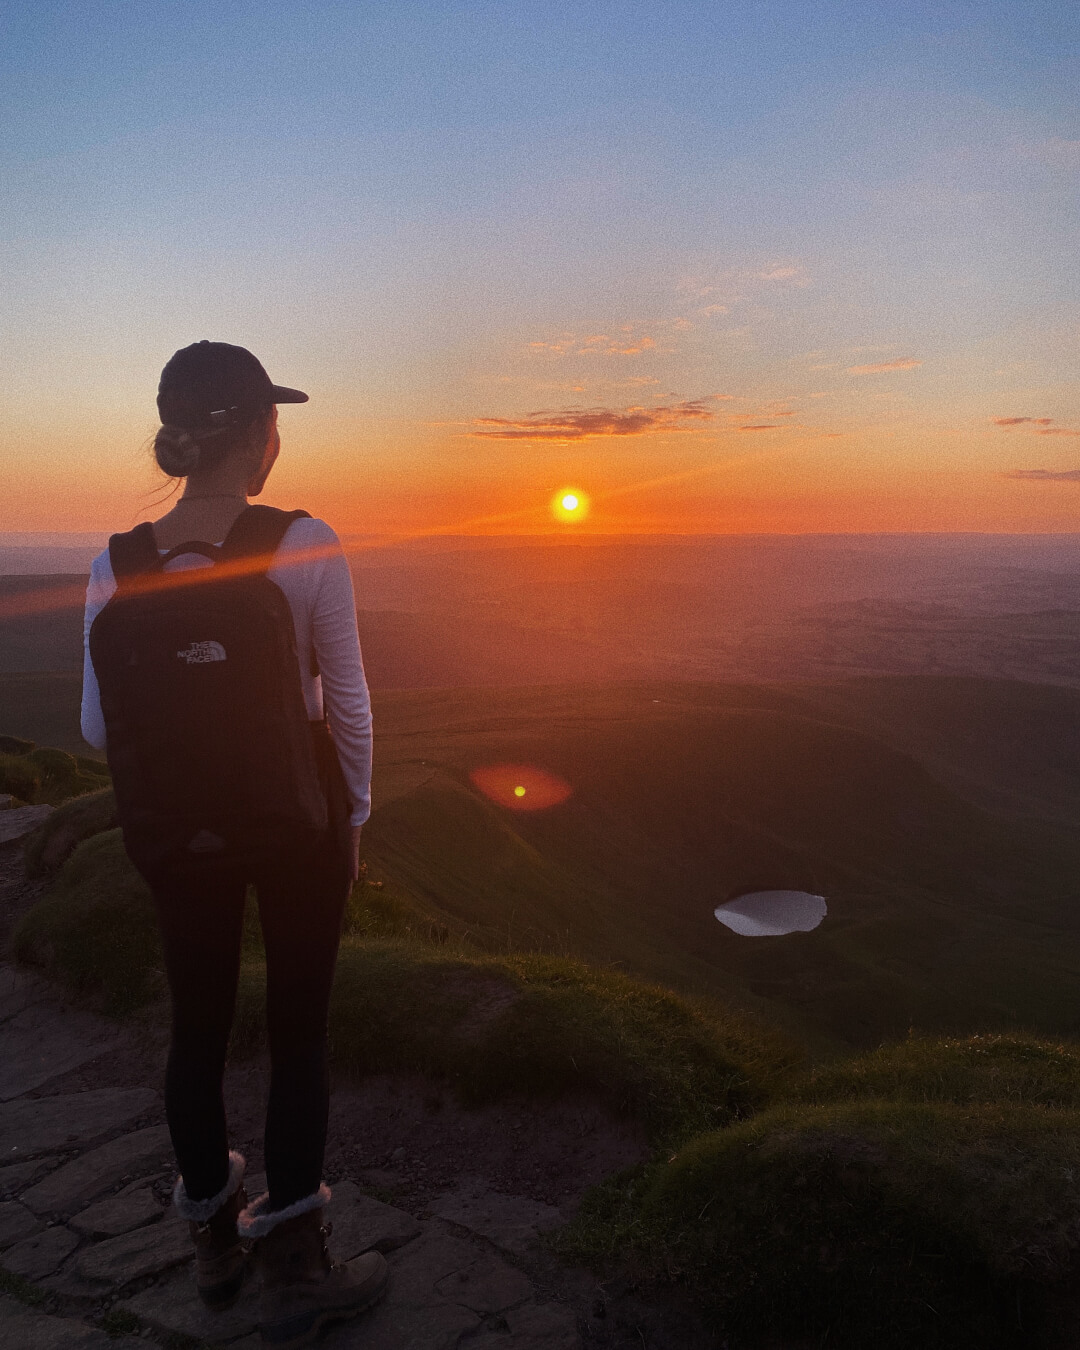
{"x":91,"y":1254}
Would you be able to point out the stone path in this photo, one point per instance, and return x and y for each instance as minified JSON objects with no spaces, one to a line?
{"x":41,"y":1037}
{"x":18,"y":821}
{"x":92,"y":1255}
{"x":86,"y":1227}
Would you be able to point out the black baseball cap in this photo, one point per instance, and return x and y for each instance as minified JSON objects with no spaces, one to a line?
{"x":210,"y":378}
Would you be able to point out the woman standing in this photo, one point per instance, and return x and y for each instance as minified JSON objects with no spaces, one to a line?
{"x":213,"y":790}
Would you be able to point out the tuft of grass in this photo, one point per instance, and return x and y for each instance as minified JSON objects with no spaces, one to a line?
{"x":870,"y":1222}
{"x":20,"y":776}
{"x":15,"y":745}
{"x":53,"y":842}
{"x":45,"y":775}
{"x":534,"y":1025}
{"x":14,"y":1286}
{"x":63,"y":776}
{"x":117,"y":1322}
{"x":987,"y":1068}
{"x":95,"y":929}
{"x":382,"y":909}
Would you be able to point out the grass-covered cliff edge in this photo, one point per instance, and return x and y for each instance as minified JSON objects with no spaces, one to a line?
{"x":871,"y":1131}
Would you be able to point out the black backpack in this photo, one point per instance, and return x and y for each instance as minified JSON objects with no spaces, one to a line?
{"x":209,"y":742}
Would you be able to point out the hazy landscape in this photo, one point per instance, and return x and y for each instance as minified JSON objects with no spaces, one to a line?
{"x":461,"y":612}
{"x":837,"y":714}
{"x":891,"y":722}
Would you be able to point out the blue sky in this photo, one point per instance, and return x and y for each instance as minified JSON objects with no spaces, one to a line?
{"x":429,"y":213}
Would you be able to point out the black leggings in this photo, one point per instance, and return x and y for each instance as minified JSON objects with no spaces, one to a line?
{"x":301,"y":903}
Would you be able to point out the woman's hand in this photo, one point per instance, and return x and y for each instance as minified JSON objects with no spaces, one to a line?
{"x":354,"y":851}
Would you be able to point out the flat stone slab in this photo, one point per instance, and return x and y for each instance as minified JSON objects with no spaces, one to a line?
{"x":147,"y":1251}
{"x":418,"y":1268}
{"x":18,"y":821}
{"x":489,"y":1285}
{"x":45,"y":1124}
{"x":413,"y":1315}
{"x":546,"y":1326}
{"x":18,"y":1176}
{"x":118,"y":1214}
{"x":16,"y":1223}
{"x":24,"y":1328}
{"x":361,"y":1223}
{"x":509,"y":1221}
{"x":42,"y":1040}
{"x":391,"y":1326}
{"x":19,"y":989}
{"x":76,"y":1184}
{"x":173,"y":1306}
{"x":38,"y":1256}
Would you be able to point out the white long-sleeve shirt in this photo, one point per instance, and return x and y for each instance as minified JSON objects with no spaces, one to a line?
{"x":310,"y":568}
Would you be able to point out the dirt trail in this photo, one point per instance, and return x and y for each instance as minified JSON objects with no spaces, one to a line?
{"x":458,"y":1199}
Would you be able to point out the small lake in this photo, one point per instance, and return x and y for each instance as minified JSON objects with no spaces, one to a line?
{"x":772,"y":913}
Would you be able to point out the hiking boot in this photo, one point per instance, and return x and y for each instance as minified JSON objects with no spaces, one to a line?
{"x":220,"y":1258}
{"x":302,"y":1288}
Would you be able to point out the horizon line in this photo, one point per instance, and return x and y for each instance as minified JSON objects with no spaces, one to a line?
{"x":17,"y":539}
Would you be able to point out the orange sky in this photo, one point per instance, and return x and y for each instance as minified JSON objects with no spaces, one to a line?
{"x":802,"y":269}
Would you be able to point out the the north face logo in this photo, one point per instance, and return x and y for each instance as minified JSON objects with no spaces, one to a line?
{"x":201,"y":652}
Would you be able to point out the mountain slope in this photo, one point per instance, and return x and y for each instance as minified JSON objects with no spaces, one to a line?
{"x":941,"y":915}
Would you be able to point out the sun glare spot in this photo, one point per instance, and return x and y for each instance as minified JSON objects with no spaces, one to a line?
{"x":522,"y":787}
{"x":570,"y":504}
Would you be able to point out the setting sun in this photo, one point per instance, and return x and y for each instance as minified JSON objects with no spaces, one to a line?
{"x":570,"y":504}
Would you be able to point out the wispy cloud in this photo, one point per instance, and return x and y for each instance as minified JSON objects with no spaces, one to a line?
{"x":789,"y":272}
{"x":1045,"y":475}
{"x":880,"y":367}
{"x":626,"y":340}
{"x":574,"y":424}
{"x":1043,"y":426}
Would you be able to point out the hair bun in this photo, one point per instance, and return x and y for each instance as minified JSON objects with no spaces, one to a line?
{"x":177,"y":451}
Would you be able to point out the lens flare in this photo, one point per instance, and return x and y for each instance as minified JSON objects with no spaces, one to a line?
{"x":570,"y":504}
{"x":522,"y":787}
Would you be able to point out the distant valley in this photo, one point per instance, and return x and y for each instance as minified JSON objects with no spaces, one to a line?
{"x":891,"y":721}
{"x":459,"y":613}
{"x":936,"y":814}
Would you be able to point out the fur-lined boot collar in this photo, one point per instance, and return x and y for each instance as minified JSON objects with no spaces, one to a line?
{"x":259,"y":1219}
{"x":202,"y":1211}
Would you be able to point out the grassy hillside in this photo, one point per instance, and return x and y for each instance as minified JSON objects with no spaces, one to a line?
{"x":922,"y":1194}
{"x":41,"y":622}
{"x":944,"y":916}
{"x":43,"y":707}
{"x":1010,"y":745}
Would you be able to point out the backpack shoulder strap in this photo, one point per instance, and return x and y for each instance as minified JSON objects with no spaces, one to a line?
{"x":133,"y":553}
{"x":257,"y":531}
